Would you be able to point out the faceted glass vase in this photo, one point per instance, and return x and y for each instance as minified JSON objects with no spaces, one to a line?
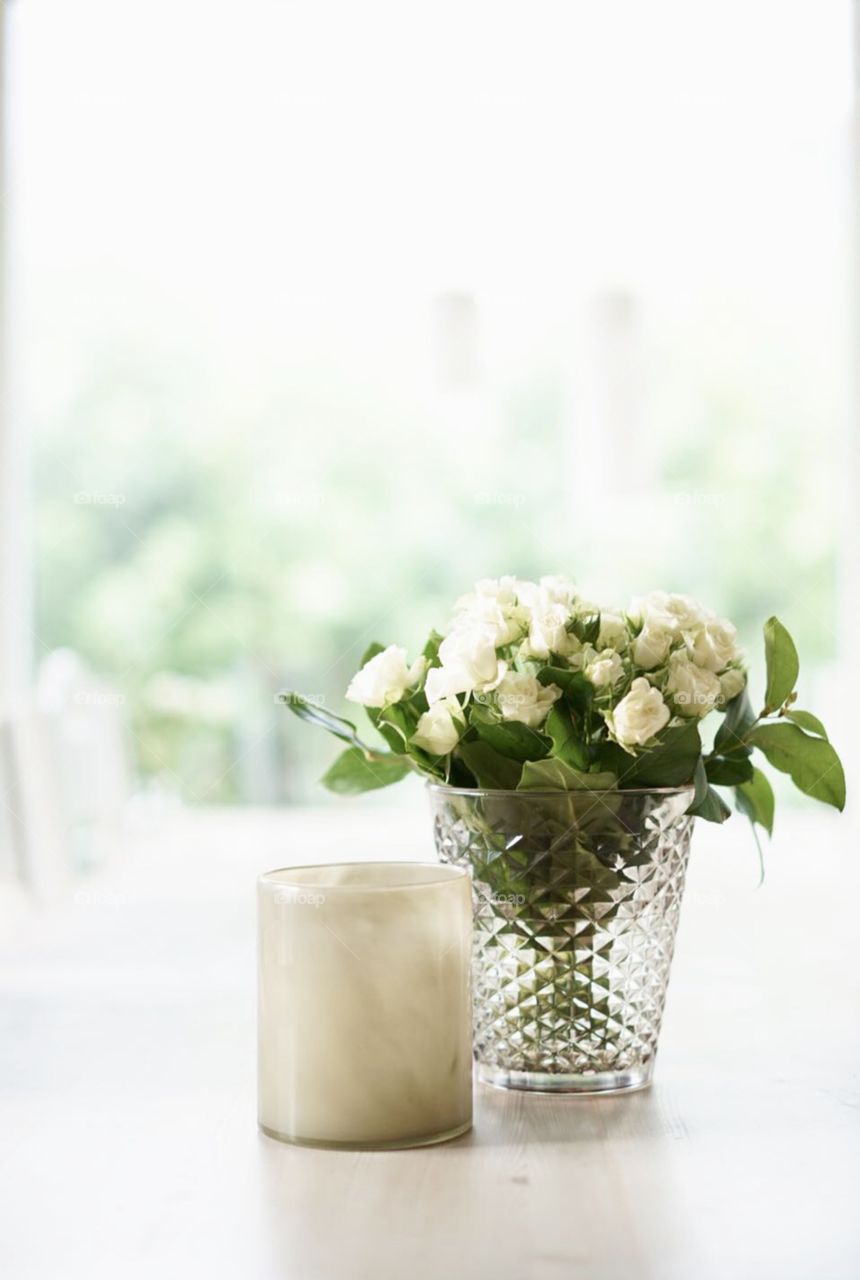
{"x":576,"y":898}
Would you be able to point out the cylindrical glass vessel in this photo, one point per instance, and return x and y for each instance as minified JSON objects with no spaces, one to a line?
{"x":364,"y":1010}
{"x":576,"y":899}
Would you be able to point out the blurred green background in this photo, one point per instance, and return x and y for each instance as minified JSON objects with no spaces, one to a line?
{"x":302,"y":360}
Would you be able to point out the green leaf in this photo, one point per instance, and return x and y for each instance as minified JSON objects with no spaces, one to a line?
{"x":313,"y":714}
{"x":489,"y":768}
{"x":738,"y":719}
{"x":555,"y":775}
{"x":510,"y":738}
{"x":436,"y":768}
{"x":755,"y":799}
{"x":566,"y":743}
{"x":352,"y":772}
{"x":587,"y":629}
{"x":393,"y":737}
{"x":401,"y":719}
{"x":811,"y":763}
{"x":431,"y":648}
{"x":577,"y":688}
{"x":387,"y":722}
{"x":782,"y":663}
{"x":809,"y":722}
{"x":458,"y":774}
{"x":700,"y":782}
{"x":670,"y":763}
{"x":728,"y":773}
{"x":712,"y":808}
{"x":370,"y":652}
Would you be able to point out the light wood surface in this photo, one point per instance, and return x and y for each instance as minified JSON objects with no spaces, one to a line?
{"x":129,"y":1144}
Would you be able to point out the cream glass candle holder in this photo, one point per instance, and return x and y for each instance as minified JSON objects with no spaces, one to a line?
{"x":364,"y":1004}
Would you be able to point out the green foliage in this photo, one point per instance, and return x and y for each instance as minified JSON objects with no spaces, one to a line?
{"x":510,"y":738}
{"x":808,"y":722}
{"x":707,"y":803}
{"x":739,"y":717}
{"x":712,"y":807}
{"x":566,"y":737}
{"x":577,"y":688}
{"x":397,"y":724}
{"x":310,"y":711}
{"x":671,"y":762}
{"x":370,"y":652}
{"x":488,"y":767}
{"x":811,"y":763}
{"x":755,"y":799}
{"x":353,"y":772}
{"x":555,"y":775}
{"x":430,"y":650}
{"x":782,"y":662}
{"x":724,"y":772}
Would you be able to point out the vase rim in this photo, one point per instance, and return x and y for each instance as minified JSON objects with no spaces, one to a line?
{"x":557,"y":791}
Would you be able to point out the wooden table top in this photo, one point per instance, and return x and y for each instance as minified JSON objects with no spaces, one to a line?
{"x":127,"y":1088}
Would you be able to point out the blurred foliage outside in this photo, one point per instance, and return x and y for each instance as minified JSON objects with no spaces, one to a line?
{"x":203,"y":554}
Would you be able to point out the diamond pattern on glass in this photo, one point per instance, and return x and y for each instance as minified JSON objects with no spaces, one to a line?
{"x":576,"y":902}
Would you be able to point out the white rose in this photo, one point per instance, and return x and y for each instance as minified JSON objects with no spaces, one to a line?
{"x":522,"y":697}
{"x":640,"y":607}
{"x":471,"y":649}
{"x":441,"y":683}
{"x":528,"y":593}
{"x":584,"y":654}
{"x":502,"y":625}
{"x":469,"y":661}
{"x":652,"y":645}
{"x":493,"y":606}
{"x":501,"y":591}
{"x":694,"y":690}
{"x":686,"y":612}
{"x":605,"y":669}
{"x":548,"y":631}
{"x":656,"y":605}
{"x":613,"y":631}
{"x":384,"y":679}
{"x":437,"y":730}
{"x":552,"y":589}
{"x":557,"y":589}
{"x":585,"y":608}
{"x":713,"y":645}
{"x":731,"y":683}
{"x":640,"y":715}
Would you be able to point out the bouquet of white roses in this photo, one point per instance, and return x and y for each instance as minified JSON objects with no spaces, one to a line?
{"x":533,"y":688}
